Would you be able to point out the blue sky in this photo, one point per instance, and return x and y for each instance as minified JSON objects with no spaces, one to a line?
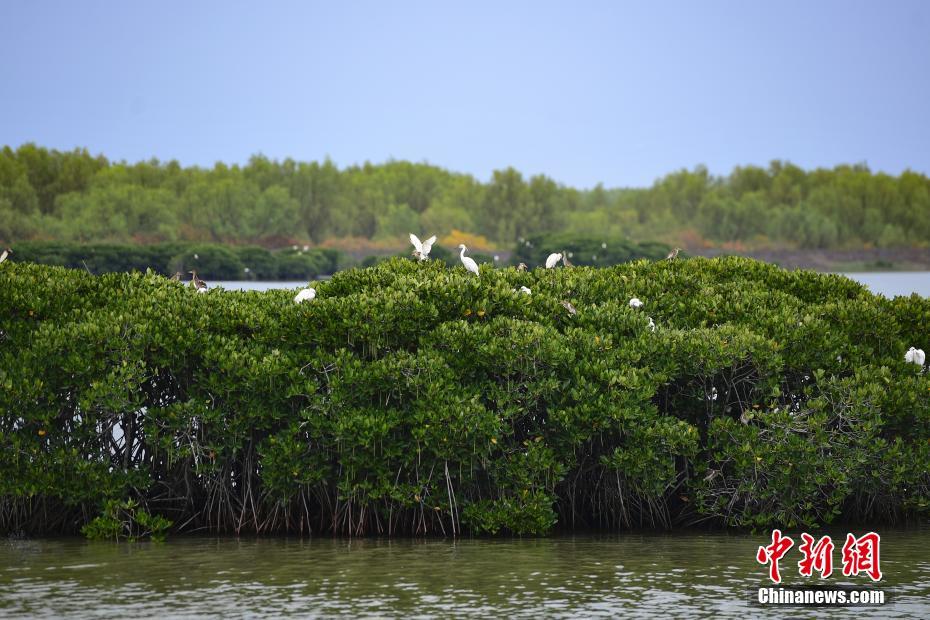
{"x":586,"y":92}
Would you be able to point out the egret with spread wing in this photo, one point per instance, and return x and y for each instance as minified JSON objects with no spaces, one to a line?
{"x":421,"y":248}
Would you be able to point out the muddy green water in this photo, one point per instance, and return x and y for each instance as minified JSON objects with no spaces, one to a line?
{"x":710,"y":575}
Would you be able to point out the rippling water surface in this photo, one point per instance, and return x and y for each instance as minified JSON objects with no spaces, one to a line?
{"x":708,"y":575}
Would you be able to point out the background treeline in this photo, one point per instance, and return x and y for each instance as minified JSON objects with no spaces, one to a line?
{"x":213,"y":261}
{"x":410,"y":398}
{"x":79,"y":197}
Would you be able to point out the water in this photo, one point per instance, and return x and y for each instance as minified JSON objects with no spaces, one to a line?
{"x":257,"y":285}
{"x":888,"y":284}
{"x":693,"y":574}
{"x":891,"y":284}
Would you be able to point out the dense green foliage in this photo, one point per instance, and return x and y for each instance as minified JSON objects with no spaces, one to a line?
{"x":414,"y":398}
{"x":77,"y":197}
{"x":211,"y":261}
{"x":127,"y":521}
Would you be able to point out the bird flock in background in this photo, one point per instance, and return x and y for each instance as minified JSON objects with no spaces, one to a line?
{"x":421,"y":250}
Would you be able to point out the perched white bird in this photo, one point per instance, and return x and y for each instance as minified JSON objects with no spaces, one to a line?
{"x":652,"y":325}
{"x":421,"y":248}
{"x":636,"y":303}
{"x":525,"y":290}
{"x":6,"y":253}
{"x":915,"y":356}
{"x":469,"y":263}
{"x":305,"y":294}
{"x":553,"y":259}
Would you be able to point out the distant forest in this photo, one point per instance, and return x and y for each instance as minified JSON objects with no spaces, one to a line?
{"x":75,"y":196}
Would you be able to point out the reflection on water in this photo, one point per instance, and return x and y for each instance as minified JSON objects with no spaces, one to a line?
{"x":639,"y":575}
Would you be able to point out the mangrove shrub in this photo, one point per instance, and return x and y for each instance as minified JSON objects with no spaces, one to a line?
{"x":414,"y":398}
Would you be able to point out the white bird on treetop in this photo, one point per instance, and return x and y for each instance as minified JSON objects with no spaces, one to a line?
{"x":525,"y":290}
{"x":652,"y":325}
{"x":421,"y":248}
{"x":636,"y":303}
{"x":305,"y":295}
{"x":553,"y":259}
{"x":6,"y":253}
{"x":915,"y":356}
{"x":468,"y":262}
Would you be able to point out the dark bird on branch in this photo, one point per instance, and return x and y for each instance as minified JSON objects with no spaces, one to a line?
{"x":197,"y":283}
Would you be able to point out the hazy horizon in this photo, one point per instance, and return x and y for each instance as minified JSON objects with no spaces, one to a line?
{"x":612,"y":93}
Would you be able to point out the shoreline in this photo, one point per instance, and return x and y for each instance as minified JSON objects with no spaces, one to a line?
{"x":876,"y":260}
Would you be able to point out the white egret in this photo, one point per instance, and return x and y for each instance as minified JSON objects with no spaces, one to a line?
{"x":553,"y":259}
{"x":636,"y":303}
{"x":197,"y":283}
{"x":525,"y":290}
{"x":652,"y":325}
{"x":305,"y":294}
{"x":6,"y":253}
{"x":421,"y":248}
{"x":915,"y":356}
{"x":467,"y":262}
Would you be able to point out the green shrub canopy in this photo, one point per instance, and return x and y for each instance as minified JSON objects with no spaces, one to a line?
{"x":413,"y":398}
